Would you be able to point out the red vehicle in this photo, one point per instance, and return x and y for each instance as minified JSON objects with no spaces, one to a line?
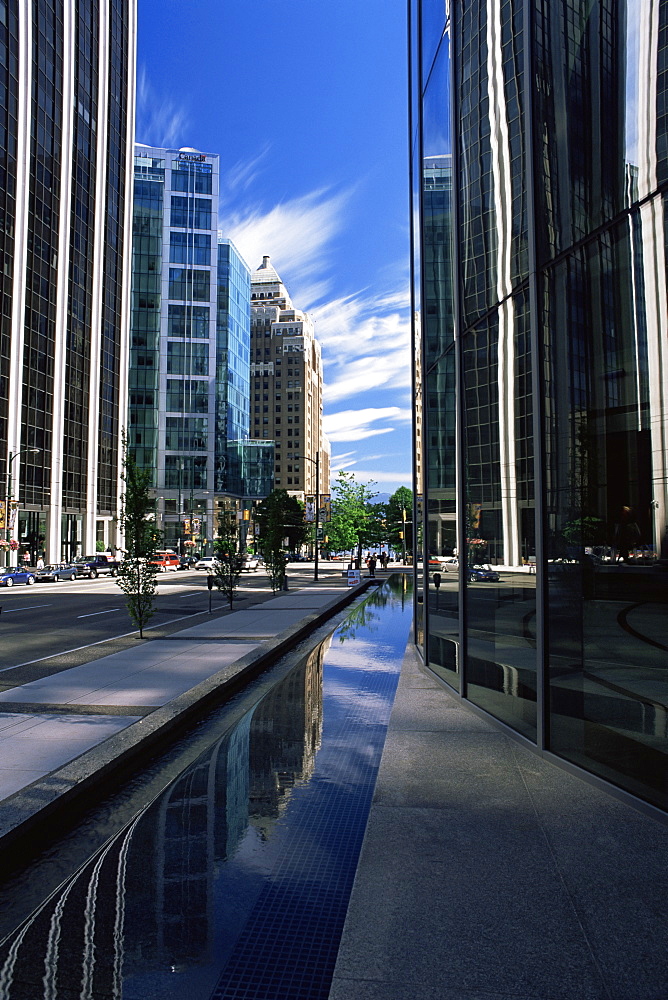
{"x":165,"y":561}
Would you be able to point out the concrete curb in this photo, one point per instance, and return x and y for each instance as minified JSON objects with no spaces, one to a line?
{"x":59,"y":796}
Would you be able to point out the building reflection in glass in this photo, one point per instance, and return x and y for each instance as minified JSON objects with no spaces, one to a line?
{"x":542,"y":141}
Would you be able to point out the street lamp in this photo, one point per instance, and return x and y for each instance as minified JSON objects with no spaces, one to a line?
{"x":316,"y":462}
{"x":179,"y":525}
{"x":12,"y":456}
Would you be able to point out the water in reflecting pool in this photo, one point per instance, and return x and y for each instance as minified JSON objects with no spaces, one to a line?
{"x":234,"y":881}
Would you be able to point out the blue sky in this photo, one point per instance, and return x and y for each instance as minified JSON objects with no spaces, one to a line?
{"x":305,"y":101}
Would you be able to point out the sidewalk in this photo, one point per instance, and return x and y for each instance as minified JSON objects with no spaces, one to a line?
{"x":488,"y":873}
{"x":64,"y":732}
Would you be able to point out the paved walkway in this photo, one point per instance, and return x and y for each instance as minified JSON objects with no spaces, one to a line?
{"x":488,"y":873}
{"x":48,"y":722}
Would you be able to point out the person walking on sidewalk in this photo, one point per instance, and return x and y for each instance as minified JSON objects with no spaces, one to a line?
{"x":372,"y":565}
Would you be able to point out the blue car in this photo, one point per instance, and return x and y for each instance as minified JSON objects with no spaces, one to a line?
{"x":11,"y":576}
{"x":480,"y":574}
{"x":56,"y":572}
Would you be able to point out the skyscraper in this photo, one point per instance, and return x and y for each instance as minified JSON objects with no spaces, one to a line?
{"x":68,"y":75}
{"x":539,"y":158}
{"x":286,"y":385}
{"x":189,"y":363}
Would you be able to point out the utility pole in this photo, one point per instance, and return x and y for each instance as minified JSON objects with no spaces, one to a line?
{"x":316,"y":462}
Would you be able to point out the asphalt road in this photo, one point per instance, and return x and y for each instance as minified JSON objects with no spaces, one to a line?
{"x":52,"y":618}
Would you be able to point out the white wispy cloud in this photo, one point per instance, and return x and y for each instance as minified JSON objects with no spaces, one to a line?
{"x":364,"y":335}
{"x":297,"y":234}
{"x":354,"y":425}
{"x":366,"y":343}
{"x":378,"y":476}
{"x":160,"y":120}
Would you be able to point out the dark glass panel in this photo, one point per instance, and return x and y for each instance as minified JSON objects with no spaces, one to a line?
{"x":581,"y":102}
{"x":500,"y":519}
{"x":606,"y":504}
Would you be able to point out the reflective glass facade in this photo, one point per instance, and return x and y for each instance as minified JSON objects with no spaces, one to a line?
{"x":539,"y":166}
{"x":66,"y":116}
{"x":190,"y":355}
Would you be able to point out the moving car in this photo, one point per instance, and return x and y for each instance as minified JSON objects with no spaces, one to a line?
{"x":94,"y":566}
{"x":206,"y":562}
{"x":56,"y":572}
{"x":250,"y":564}
{"x":15,"y":575}
{"x":165,"y":561}
{"x":482,"y":574}
{"x":187,"y":562}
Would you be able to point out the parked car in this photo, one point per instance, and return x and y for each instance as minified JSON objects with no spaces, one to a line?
{"x":15,"y":575}
{"x":94,"y":566}
{"x":165,"y":561}
{"x":56,"y":572}
{"x":478,"y":574}
{"x":207,"y":563}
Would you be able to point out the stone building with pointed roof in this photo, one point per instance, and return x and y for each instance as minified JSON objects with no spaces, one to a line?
{"x":286,"y":385}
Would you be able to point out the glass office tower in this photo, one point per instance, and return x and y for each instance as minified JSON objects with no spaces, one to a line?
{"x":67,"y":73}
{"x":190,"y":347}
{"x":539,"y":162}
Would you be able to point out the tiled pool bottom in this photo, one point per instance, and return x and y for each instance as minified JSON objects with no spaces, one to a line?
{"x":234,"y":883}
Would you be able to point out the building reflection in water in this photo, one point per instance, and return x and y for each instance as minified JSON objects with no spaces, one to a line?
{"x":146,"y":901}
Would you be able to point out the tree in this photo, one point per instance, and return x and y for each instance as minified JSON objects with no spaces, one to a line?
{"x":351,"y":514}
{"x":400,"y":501}
{"x":229,"y":561}
{"x":375,"y":532}
{"x":136,"y":576}
{"x":280,"y":516}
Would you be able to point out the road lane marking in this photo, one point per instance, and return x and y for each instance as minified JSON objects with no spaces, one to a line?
{"x":93,"y":613}
{"x":30,"y":607}
{"x":99,"y":642}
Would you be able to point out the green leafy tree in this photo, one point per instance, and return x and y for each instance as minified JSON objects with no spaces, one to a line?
{"x":400,"y":501}
{"x":351,"y":514}
{"x":136,"y":577}
{"x":281,"y":517}
{"x":375,"y":532}
{"x":229,"y":561}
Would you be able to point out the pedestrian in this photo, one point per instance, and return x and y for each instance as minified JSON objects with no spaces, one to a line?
{"x":372,"y":565}
{"x":40,"y":562}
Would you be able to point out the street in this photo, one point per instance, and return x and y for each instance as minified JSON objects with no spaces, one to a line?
{"x":49,"y":619}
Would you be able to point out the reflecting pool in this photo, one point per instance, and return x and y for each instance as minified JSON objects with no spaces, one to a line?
{"x":233,"y":881}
